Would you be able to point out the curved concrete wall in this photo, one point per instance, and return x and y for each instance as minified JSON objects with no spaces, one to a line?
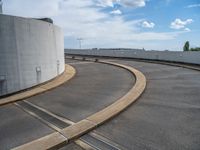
{"x":182,"y":57}
{"x":31,"y":52}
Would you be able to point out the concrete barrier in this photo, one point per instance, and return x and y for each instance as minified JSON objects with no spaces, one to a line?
{"x":31,"y":52}
{"x":181,"y":57}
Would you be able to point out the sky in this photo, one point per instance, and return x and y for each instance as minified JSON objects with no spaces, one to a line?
{"x":149,"y":24}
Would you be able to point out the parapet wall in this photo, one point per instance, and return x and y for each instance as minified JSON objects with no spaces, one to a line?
{"x":182,"y":57}
{"x":31,"y":52}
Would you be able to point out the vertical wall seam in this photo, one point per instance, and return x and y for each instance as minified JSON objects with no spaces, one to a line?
{"x":18,"y":55}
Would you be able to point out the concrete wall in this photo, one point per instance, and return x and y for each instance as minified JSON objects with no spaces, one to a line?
{"x":1,"y":9}
{"x":31,"y":52}
{"x":183,"y":57}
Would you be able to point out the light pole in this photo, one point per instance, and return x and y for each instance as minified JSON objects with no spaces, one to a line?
{"x":80,"y":40}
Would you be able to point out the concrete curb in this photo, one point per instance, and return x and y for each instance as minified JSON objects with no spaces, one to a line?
{"x":67,"y":75}
{"x":76,"y":130}
{"x":176,"y":64}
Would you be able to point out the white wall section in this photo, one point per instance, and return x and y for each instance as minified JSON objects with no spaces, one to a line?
{"x":31,"y":52}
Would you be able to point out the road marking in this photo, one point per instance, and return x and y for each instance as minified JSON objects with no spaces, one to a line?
{"x":91,"y":141}
{"x":38,"y":117}
{"x":98,"y":143}
{"x":88,"y":124}
{"x":98,"y":136}
{"x":49,"y":124}
{"x":50,"y":113}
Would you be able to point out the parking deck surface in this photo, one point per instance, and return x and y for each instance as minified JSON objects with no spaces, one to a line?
{"x":94,"y":87}
{"x":166,"y":116}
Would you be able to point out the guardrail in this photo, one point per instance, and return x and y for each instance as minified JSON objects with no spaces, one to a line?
{"x":167,"y":56}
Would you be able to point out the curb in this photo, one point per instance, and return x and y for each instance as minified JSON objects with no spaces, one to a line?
{"x":176,"y":64}
{"x":66,"y":75}
{"x":76,"y":130}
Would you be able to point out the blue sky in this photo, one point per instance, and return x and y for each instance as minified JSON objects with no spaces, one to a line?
{"x":149,"y":24}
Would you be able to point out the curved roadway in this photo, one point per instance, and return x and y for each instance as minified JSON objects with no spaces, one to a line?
{"x":94,"y":87}
{"x":166,"y":116}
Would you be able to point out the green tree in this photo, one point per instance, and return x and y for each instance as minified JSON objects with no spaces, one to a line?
{"x":186,"y":46}
{"x":195,"y":49}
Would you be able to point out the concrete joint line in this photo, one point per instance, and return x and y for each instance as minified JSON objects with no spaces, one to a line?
{"x":84,"y":126}
{"x":66,"y":76}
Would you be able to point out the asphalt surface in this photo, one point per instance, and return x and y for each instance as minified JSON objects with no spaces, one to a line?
{"x":166,"y":117}
{"x":17,"y":127}
{"x":94,"y":87}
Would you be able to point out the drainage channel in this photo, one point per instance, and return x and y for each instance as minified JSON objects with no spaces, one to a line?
{"x":97,"y":143}
{"x":42,"y":115}
{"x":88,"y":141}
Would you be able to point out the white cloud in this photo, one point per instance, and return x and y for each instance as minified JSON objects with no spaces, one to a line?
{"x":193,"y":6}
{"x":133,"y":3}
{"x":179,"y":24}
{"x":106,"y":3}
{"x":147,"y":24}
{"x":30,"y":8}
{"x":126,"y":3}
{"x":187,"y":29}
{"x":81,"y":18}
{"x":116,"y":12}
